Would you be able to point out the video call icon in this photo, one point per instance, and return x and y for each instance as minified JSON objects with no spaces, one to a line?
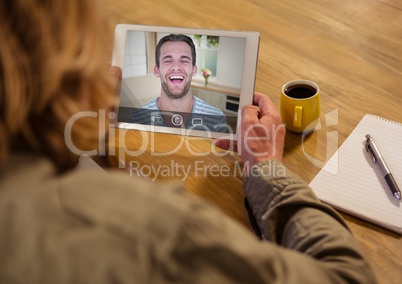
{"x":156,"y":117}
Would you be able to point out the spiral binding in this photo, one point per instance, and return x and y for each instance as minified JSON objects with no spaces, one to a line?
{"x":384,"y":119}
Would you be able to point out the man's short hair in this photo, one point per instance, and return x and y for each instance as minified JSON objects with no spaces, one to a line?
{"x":175,"y":38}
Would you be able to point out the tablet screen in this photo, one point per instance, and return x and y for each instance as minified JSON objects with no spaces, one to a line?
{"x":184,"y":81}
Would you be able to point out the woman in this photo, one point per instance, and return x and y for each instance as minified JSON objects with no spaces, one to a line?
{"x":51,"y":65}
{"x":59,"y":225}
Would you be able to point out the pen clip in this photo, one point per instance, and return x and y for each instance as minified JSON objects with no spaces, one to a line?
{"x":369,"y":148}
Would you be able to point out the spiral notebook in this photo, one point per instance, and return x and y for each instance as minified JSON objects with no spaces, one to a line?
{"x":351,"y":182}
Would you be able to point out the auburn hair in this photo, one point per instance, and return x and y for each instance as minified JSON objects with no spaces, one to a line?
{"x":53,"y":65}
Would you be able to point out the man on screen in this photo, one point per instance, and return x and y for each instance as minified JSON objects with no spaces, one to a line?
{"x":176,"y":106}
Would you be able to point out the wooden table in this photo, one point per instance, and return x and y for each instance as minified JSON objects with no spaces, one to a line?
{"x":351,"y":49}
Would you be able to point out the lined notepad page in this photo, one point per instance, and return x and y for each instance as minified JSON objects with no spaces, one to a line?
{"x":352,"y":182}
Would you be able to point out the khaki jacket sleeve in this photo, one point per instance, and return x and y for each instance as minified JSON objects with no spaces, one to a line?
{"x":289,"y":215}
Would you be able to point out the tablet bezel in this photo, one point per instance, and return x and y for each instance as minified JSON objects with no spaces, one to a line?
{"x":248,"y":76}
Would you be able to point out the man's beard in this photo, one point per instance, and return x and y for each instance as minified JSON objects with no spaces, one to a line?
{"x":175,"y":96}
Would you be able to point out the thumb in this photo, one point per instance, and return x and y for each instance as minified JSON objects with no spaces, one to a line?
{"x":116,"y":73}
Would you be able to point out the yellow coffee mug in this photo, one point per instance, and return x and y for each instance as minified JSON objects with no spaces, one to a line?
{"x":300,"y":105}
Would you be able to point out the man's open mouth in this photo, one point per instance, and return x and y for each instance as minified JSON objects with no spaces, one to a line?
{"x":176,"y":79}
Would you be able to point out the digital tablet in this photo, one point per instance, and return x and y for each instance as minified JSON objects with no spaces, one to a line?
{"x":184,"y":81}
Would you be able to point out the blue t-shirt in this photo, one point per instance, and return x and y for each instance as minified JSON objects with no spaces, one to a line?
{"x":203,"y":116}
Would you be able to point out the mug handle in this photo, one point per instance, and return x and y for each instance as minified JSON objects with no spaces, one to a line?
{"x":297,"y":117}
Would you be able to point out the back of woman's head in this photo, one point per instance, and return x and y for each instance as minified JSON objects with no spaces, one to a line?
{"x":53,"y":64}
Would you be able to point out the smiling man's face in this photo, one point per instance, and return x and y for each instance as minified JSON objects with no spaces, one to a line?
{"x":175,"y":69}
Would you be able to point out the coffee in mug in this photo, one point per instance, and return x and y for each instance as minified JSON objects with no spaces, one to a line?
{"x":300,"y":105}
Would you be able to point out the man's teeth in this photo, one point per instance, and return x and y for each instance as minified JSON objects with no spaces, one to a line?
{"x":176,"y":78}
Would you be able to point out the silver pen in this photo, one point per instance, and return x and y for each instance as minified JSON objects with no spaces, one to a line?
{"x":379,"y":160}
